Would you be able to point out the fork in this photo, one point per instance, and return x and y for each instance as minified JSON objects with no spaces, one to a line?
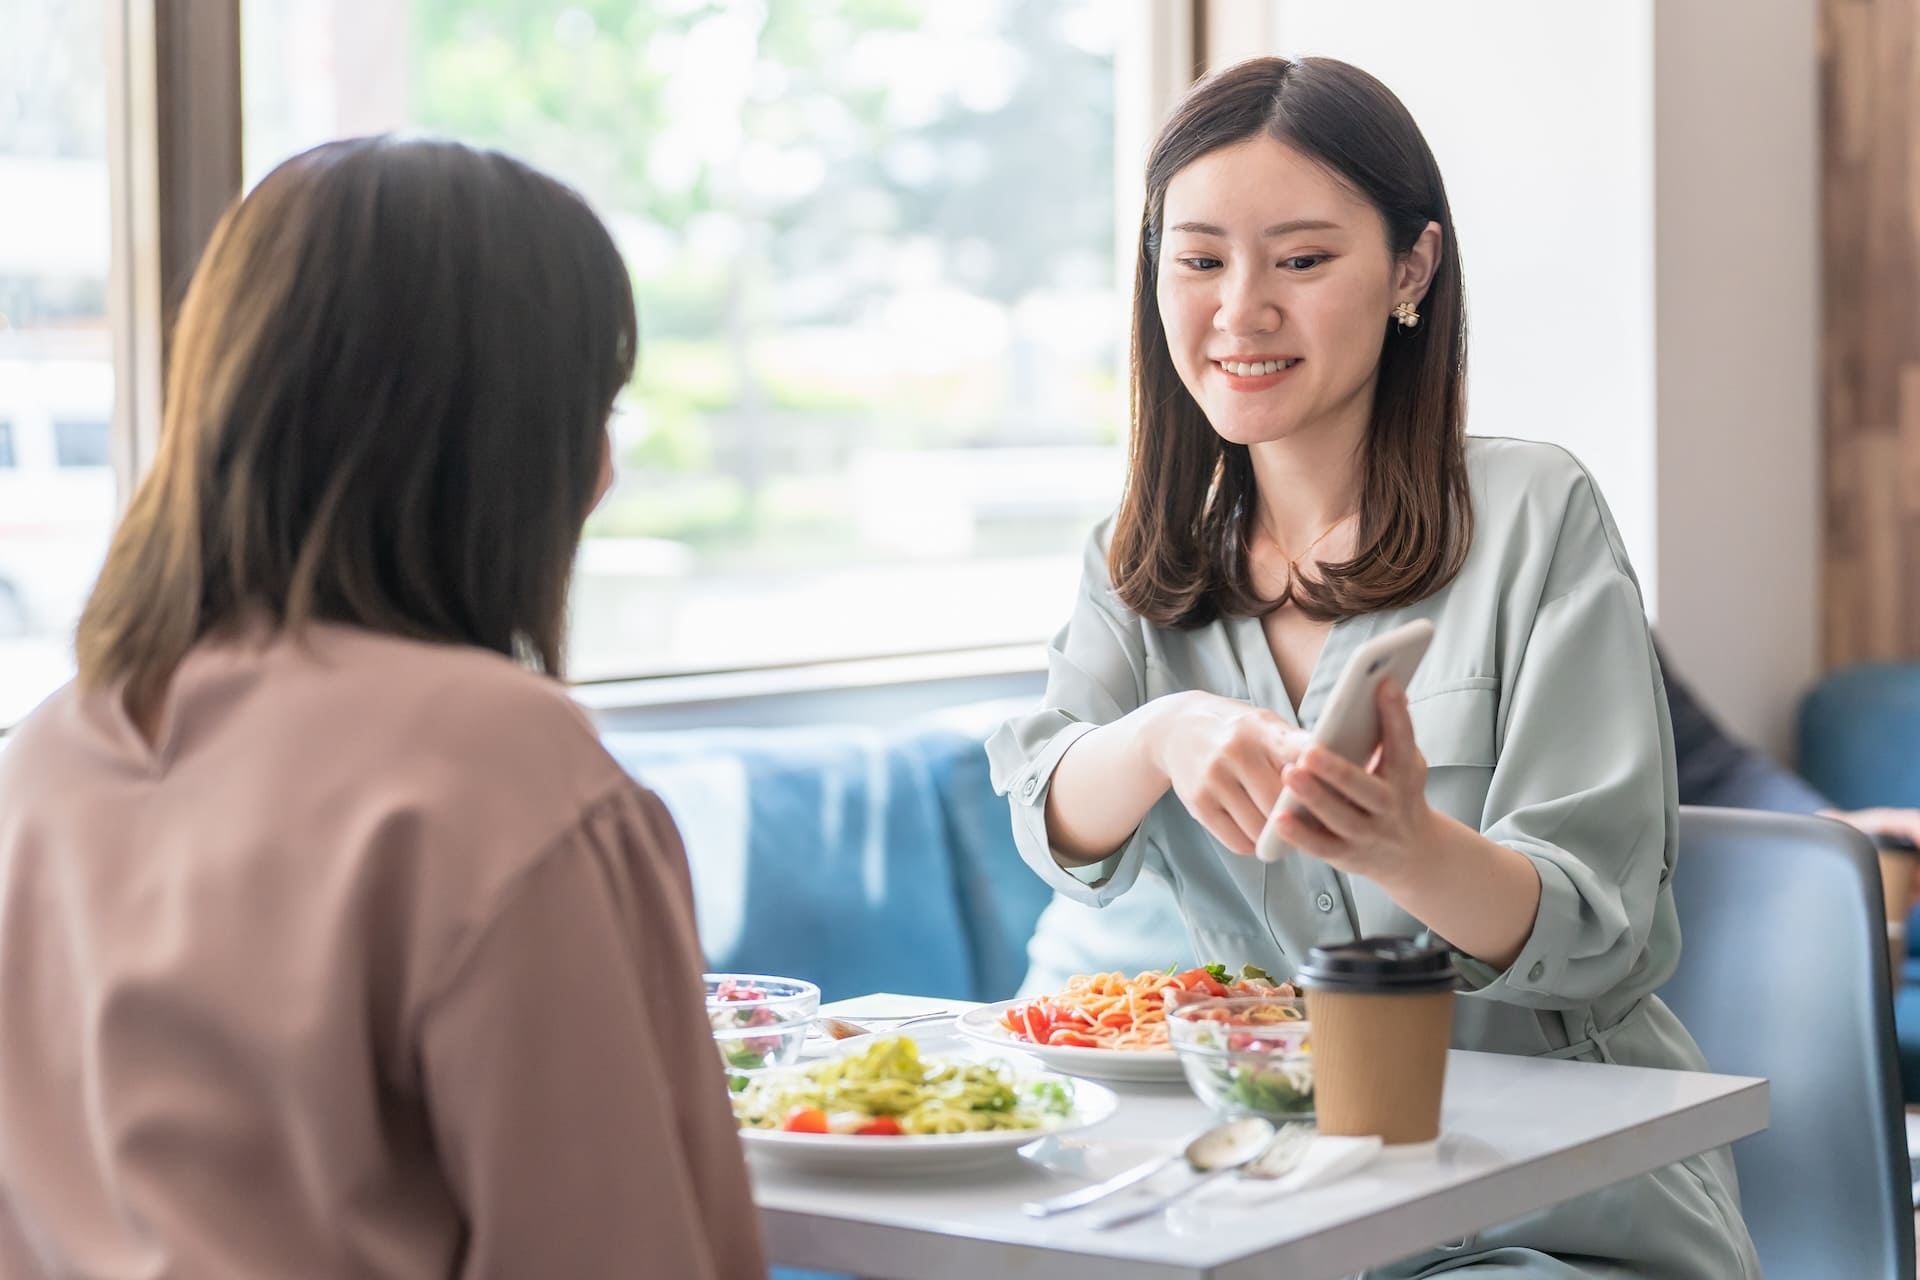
{"x":1284,"y":1154}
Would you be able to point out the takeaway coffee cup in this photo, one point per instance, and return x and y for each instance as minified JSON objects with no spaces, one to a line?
{"x":1381,"y":1010}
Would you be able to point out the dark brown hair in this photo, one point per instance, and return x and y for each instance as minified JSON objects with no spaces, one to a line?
{"x":1178,"y":555}
{"x":386,"y":399}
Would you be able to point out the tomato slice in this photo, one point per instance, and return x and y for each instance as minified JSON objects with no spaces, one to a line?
{"x":881,"y":1127}
{"x":806,"y":1120}
{"x":1025,"y":1022}
{"x":1199,"y":980}
{"x":1073,"y":1039}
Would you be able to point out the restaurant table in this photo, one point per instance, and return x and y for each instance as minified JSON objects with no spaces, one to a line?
{"x":1518,"y":1135}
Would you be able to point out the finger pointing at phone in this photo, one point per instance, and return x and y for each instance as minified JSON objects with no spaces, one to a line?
{"x":1223,"y":759}
{"x":1364,"y":821}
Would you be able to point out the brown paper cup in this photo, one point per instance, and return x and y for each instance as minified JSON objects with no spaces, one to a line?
{"x":1380,"y":1062}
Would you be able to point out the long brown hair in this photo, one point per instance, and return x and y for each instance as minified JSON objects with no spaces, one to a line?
{"x":386,"y":402}
{"x":1178,"y":555}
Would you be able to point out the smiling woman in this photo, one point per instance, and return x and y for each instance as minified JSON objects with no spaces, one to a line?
{"x":1300,"y":481}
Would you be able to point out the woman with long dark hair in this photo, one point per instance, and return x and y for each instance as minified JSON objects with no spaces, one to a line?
{"x":1299,"y":480}
{"x":332,"y":943}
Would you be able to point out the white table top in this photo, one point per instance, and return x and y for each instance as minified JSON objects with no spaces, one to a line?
{"x":1520,"y":1134}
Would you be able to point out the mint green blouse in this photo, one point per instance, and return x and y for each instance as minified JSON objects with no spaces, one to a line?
{"x":1540,"y":712}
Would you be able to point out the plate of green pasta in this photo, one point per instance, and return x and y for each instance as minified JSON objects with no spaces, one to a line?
{"x":888,"y":1109}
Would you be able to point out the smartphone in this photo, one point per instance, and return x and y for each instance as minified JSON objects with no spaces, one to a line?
{"x":1349,"y":726}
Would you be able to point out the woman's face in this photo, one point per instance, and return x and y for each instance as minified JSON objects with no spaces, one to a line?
{"x":1276,"y":287}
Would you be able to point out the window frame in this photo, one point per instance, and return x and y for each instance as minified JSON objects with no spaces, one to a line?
{"x":173,"y":157}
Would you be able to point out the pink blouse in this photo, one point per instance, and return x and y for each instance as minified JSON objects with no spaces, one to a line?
{"x":373,"y":964}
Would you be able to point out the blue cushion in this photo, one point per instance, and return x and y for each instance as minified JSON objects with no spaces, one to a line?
{"x":1860,"y":736}
{"x":819,"y":853}
{"x":860,"y":858}
{"x":1000,"y":899}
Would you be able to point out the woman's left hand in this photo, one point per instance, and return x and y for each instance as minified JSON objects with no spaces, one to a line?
{"x":1371,"y":822}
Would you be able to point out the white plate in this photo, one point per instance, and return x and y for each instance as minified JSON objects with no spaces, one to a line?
{"x":923,"y":1153}
{"x":982,"y":1025}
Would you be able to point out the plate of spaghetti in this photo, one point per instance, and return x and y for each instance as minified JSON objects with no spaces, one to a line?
{"x":1108,"y":1025}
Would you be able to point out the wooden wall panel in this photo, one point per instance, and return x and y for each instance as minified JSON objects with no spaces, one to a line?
{"x":1870,"y":212}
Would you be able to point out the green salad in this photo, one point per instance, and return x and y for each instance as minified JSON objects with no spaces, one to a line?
{"x":888,"y":1089}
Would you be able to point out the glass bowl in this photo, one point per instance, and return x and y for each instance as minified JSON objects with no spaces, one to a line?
{"x":760,"y":1021}
{"x":1247,"y":1055}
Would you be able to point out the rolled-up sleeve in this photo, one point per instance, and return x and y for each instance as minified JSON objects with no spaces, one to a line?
{"x":1096,"y":673}
{"x":1584,"y":785}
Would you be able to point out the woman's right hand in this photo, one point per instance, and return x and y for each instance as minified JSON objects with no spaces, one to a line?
{"x":1223,"y":758}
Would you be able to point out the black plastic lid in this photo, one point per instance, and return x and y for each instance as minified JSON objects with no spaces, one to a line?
{"x":1380,"y":964}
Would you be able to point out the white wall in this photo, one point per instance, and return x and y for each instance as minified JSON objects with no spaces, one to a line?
{"x":1619,"y":302}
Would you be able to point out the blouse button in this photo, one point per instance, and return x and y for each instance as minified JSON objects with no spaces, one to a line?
{"x":1033,"y":785}
{"x":1324,"y":902}
{"x":1533,"y":974}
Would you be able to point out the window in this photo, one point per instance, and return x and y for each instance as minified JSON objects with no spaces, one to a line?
{"x":880,"y":399}
{"x":56,"y":351}
{"x":82,"y":443}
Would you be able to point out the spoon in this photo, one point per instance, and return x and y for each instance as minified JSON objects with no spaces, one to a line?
{"x":847,"y":1028}
{"x":1237,"y":1141}
{"x":1239,"y":1145}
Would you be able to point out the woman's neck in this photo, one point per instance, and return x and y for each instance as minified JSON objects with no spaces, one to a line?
{"x":1307,"y":481}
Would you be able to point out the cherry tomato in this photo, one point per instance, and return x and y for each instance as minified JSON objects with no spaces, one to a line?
{"x":806,"y":1120}
{"x":881,"y":1127}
